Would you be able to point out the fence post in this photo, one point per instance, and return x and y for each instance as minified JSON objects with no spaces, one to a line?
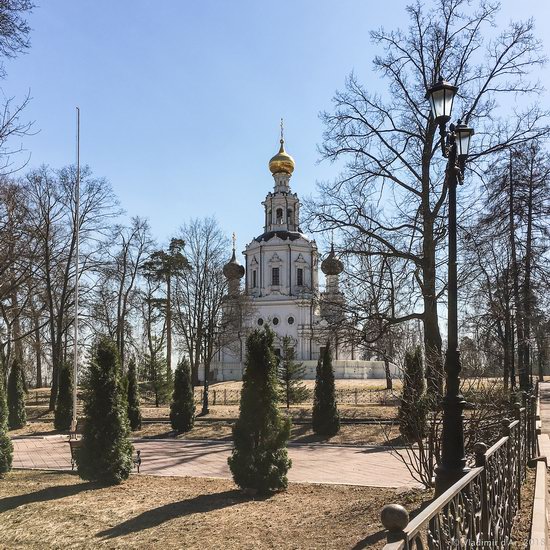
{"x":533,"y":415}
{"x":481,"y":460}
{"x":356,"y":396}
{"x":213,"y":397}
{"x":395,"y":519}
{"x":225,"y":396}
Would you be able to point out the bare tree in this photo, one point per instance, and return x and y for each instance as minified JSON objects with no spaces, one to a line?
{"x":199,"y":292}
{"x":117,"y":289}
{"x":52,"y":197}
{"x":390,"y":143}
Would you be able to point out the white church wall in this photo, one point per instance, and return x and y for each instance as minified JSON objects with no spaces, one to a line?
{"x":343,"y":370}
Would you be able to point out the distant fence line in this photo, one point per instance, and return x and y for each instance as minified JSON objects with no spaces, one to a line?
{"x":356,"y":396}
{"x":226,"y":396}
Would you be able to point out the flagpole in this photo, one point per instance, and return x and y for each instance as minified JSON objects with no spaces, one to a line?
{"x":77,"y":268}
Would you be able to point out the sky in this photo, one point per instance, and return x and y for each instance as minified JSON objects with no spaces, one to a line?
{"x":181,"y":100}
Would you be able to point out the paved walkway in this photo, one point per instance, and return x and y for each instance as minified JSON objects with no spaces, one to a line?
{"x":367,"y":466}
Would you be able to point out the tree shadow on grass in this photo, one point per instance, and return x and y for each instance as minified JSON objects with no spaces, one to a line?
{"x":44,"y":495}
{"x":157,"y":516}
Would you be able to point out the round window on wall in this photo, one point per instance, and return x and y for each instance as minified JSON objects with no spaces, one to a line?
{"x":291,"y":320}
{"x":260,"y":321}
{"x":275,"y":320}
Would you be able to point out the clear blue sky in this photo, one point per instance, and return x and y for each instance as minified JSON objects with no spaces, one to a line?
{"x":181,"y":100}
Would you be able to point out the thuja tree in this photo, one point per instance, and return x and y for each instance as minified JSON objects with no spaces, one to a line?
{"x":106,"y":452}
{"x":134,"y":413}
{"x":291,"y":375}
{"x":325,"y":418}
{"x":182,"y":408}
{"x":64,"y":402}
{"x":17,"y":416}
{"x":6,"y":447}
{"x":260,"y":460}
{"x":413,"y":408}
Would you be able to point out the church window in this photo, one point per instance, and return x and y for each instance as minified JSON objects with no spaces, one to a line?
{"x":289,"y":216}
{"x":275,"y":276}
{"x":277,"y":352}
{"x":291,"y":320}
{"x":260,"y":322}
{"x":300,"y":276}
{"x":254,"y":279}
{"x":279,"y":214}
{"x":275,"y":320}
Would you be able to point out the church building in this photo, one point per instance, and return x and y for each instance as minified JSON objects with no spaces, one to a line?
{"x":280,"y":282}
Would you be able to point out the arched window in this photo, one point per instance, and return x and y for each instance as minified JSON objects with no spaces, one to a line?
{"x":279,"y":215}
{"x":289,"y":217}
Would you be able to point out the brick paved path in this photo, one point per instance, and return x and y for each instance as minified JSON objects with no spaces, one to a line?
{"x":367,"y":466}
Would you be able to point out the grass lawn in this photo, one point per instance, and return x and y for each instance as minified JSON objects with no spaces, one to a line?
{"x":54,"y":510}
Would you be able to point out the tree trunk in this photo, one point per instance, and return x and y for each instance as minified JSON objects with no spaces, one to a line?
{"x":38,"y":351}
{"x":169,"y":325}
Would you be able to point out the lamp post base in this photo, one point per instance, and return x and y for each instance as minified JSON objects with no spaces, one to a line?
{"x":452,"y":465}
{"x":446,"y":477}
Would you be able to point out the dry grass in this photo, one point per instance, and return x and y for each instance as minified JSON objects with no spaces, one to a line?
{"x":53,"y":510}
{"x":298,"y":412}
{"x":522,"y":521}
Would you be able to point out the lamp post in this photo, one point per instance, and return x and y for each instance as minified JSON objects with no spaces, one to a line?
{"x":455,"y":142}
{"x":513,"y":354}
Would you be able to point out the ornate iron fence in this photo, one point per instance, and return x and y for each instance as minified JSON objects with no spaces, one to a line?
{"x":479,"y":509}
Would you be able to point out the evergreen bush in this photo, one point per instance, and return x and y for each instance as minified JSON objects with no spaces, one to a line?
{"x":6,"y":447}
{"x":182,"y":408}
{"x":259,"y":461}
{"x":17,"y":417}
{"x":291,"y":375}
{"x":106,"y":452}
{"x":64,"y":403}
{"x":325,"y":417}
{"x":414,"y":404}
{"x":132,"y":393}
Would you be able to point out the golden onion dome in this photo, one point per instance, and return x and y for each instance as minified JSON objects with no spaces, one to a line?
{"x":282,"y":161}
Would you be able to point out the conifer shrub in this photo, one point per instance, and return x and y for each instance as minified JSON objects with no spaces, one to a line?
{"x":132,"y":393}
{"x":414,"y":404}
{"x":6,"y":447}
{"x":17,"y":417}
{"x":291,"y":376}
{"x":182,"y":407}
{"x":325,"y":416}
{"x":259,"y":461}
{"x":64,"y":402}
{"x":106,"y":452}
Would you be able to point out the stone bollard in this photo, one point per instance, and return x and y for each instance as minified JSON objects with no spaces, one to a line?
{"x":394,"y":518}
{"x":505,"y":427}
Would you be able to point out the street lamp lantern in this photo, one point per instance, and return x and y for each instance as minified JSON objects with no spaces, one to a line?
{"x":441,"y":96}
{"x":463,"y":136}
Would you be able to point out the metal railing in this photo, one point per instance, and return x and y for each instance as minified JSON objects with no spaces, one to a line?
{"x":479,"y":509}
{"x":356,"y":396}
